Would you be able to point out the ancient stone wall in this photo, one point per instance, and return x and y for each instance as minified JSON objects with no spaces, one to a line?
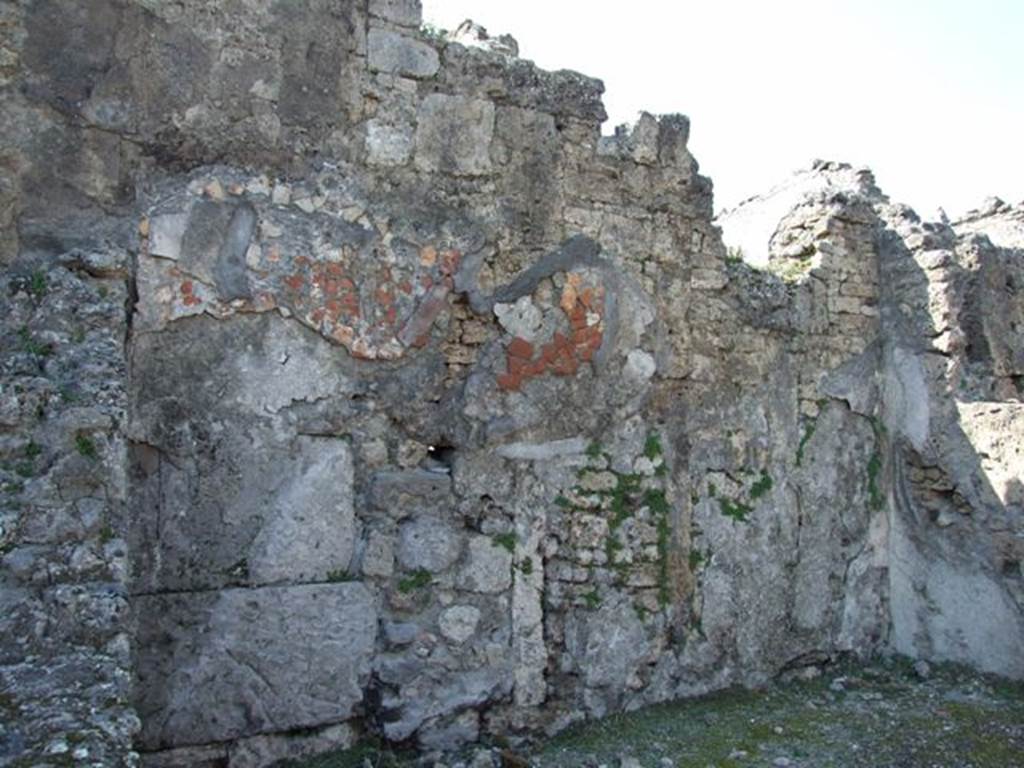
{"x":354,"y":383}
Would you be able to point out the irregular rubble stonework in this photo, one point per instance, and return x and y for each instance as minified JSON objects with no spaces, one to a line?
{"x":353,"y":383}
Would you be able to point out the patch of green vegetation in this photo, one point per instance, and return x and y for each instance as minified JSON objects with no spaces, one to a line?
{"x":30,"y":345}
{"x":14,"y":486}
{"x":695,"y":732}
{"x":78,"y":335}
{"x":761,"y":486}
{"x":103,"y":291}
{"x":25,"y":469}
{"x":32,"y":450}
{"x":875,"y":498}
{"x":712,"y":490}
{"x":696,"y":559}
{"x":106,"y":534}
{"x":625,"y":487}
{"x":612,"y":547}
{"x":561,"y":501}
{"x":505,"y":541}
{"x":593,"y":450}
{"x":737,"y":510}
{"x":85,"y":446}
{"x":734,"y":255}
{"x":654,"y":500}
{"x":526,"y":566}
{"x":592,"y":599}
{"x":809,"y":428}
{"x":339,"y":575}
{"x":67,"y":395}
{"x":641,"y":612}
{"x":37,"y":284}
{"x":414,"y":581}
{"x":652,"y":447}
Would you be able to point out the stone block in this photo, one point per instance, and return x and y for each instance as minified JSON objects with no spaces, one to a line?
{"x":487,"y":566}
{"x":397,"y":54}
{"x":387,"y":145}
{"x":379,"y":556}
{"x":459,"y":622}
{"x":408,"y":13}
{"x":426,"y":543}
{"x":454,"y":135}
{"x":281,"y":515}
{"x":214,"y":666}
{"x":310,"y":529}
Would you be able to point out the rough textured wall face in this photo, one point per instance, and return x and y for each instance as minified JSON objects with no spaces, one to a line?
{"x":943,"y":382}
{"x":409,"y":404}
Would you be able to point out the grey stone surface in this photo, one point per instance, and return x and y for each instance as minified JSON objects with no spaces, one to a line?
{"x":431,"y":699}
{"x":428,"y":543}
{"x":397,"y":54}
{"x":459,"y":622}
{"x":387,"y":144}
{"x":454,"y":135}
{"x":405,"y":12}
{"x":219,"y":665}
{"x":312,"y":322}
{"x":264,"y":751}
{"x":487,"y":566}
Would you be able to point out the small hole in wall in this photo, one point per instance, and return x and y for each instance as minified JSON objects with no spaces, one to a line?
{"x":439,"y":458}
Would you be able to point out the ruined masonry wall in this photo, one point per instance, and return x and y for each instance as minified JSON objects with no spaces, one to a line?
{"x":354,"y":384}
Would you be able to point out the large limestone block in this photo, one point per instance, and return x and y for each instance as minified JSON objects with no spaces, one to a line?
{"x":214,"y":666}
{"x":400,"y":55}
{"x":259,"y":514}
{"x":454,"y":135}
{"x":312,"y":530}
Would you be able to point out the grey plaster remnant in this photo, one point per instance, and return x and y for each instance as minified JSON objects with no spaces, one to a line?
{"x":214,"y":244}
{"x":543,"y":451}
{"x":166,"y":233}
{"x":577,"y":251}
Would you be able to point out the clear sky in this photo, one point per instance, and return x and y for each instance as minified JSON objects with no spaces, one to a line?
{"x":928,"y":93}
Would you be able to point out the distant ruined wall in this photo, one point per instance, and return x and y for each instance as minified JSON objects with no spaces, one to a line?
{"x":354,"y":383}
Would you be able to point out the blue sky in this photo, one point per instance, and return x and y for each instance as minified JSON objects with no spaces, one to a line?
{"x":930,"y":95}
